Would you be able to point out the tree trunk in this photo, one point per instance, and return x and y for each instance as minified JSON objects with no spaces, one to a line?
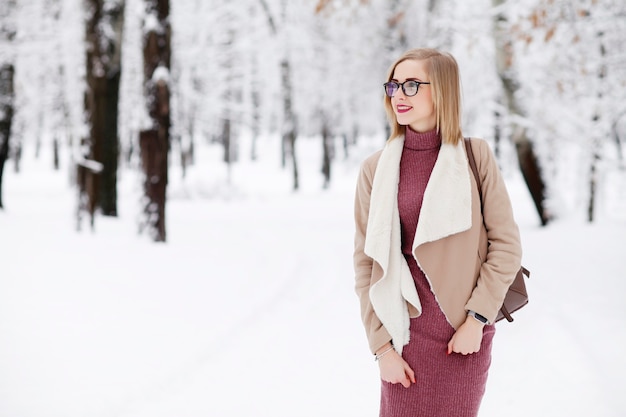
{"x":155,"y":142}
{"x":529,"y":166}
{"x":593,"y":185}
{"x":227,"y":141}
{"x":227,"y":102}
{"x":289,"y":122}
{"x":615,"y":133}
{"x":531,"y":172}
{"x":256,"y":105}
{"x":7,"y":95}
{"x":17,"y":157}
{"x":87,"y":170}
{"x":4,"y":154}
{"x":154,"y":152}
{"x":327,"y":151}
{"x":596,"y":143}
{"x":104,"y":140}
{"x":8,"y":32}
{"x":55,"y":154}
{"x":497,"y":132}
{"x":102,"y":98}
{"x":289,"y":130}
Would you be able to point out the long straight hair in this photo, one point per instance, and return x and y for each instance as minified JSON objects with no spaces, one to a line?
{"x":443,"y":73}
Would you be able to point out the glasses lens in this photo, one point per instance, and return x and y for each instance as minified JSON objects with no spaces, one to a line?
{"x":391,"y":88}
{"x":410,"y":88}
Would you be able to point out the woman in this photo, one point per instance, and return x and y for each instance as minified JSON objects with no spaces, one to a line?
{"x":430,"y":277}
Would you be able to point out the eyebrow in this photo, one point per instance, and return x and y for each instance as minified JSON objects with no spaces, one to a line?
{"x":408,"y":79}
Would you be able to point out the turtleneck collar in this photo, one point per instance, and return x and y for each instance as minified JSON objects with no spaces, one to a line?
{"x":421,"y":141}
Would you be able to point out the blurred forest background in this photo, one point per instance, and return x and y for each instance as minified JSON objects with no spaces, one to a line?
{"x":143,"y":84}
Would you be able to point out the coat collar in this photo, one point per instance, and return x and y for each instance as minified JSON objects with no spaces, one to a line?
{"x":446,"y":207}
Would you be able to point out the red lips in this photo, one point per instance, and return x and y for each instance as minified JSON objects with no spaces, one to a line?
{"x":402,"y":108}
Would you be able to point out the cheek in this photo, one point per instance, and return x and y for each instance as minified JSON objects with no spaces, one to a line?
{"x":431,"y":106}
{"x":427,"y":103}
{"x":429,"y":97}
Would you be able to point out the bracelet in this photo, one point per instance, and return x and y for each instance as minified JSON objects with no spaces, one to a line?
{"x":377,"y":358}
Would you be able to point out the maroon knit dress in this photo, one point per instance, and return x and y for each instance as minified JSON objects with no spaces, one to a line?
{"x":446,"y":385}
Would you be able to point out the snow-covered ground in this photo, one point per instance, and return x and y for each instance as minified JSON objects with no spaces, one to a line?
{"x":249,"y":308}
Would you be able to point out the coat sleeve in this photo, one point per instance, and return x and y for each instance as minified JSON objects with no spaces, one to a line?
{"x":377,"y":335}
{"x":504,"y":250}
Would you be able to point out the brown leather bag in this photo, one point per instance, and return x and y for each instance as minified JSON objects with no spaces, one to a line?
{"x":517,"y":296}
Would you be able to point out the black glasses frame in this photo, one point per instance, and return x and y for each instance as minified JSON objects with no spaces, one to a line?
{"x":396,"y":86}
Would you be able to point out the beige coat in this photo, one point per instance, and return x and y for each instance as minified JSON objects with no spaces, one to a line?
{"x":468,"y":268}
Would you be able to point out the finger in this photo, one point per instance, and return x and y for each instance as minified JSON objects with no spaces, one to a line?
{"x":450,"y":347}
{"x":411,"y":375}
{"x":406,"y":383}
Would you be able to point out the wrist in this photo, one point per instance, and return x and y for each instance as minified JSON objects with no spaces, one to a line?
{"x":383,"y":351}
{"x":383,"y":348}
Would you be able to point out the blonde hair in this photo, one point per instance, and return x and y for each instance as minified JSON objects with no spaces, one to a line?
{"x":443,"y":73}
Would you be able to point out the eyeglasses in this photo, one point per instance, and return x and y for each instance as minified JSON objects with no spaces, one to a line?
{"x":409,"y":88}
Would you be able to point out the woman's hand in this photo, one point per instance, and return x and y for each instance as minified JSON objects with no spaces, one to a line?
{"x":467,"y":337}
{"x":394,"y":369}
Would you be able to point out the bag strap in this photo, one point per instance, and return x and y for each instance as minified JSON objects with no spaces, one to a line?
{"x":472,"y":162}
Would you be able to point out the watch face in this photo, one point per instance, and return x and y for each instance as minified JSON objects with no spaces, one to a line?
{"x":481,"y":318}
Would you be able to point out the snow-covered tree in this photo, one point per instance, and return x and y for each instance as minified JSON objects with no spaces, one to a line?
{"x":287,"y":72}
{"x":281,"y":25}
{"x":7,"y":90}
{"x":569,"y":58}
{"x":154,"y":140}
{"x":104,"y":31}
{"x":508,"y":73}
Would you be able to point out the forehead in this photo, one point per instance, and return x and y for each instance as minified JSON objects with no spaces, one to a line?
{"x":410,"y":68}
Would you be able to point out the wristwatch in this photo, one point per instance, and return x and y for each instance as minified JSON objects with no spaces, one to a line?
{"x":478,"y":317}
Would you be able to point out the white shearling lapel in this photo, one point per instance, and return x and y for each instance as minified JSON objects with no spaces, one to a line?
{"x":447,"y":204}
{"x":384,"y":202}
{"x":391,"y":293}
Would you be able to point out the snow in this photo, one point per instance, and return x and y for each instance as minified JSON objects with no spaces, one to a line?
{"x":249,"y":308}
{"x":151,"y":23}
{"x":161,"y":73}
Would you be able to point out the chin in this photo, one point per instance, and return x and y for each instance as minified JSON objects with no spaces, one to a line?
{"x":402,"y":121}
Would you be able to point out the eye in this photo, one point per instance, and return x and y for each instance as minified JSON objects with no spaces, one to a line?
{"x":410,"y":87}
{"x":391,"y":88}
